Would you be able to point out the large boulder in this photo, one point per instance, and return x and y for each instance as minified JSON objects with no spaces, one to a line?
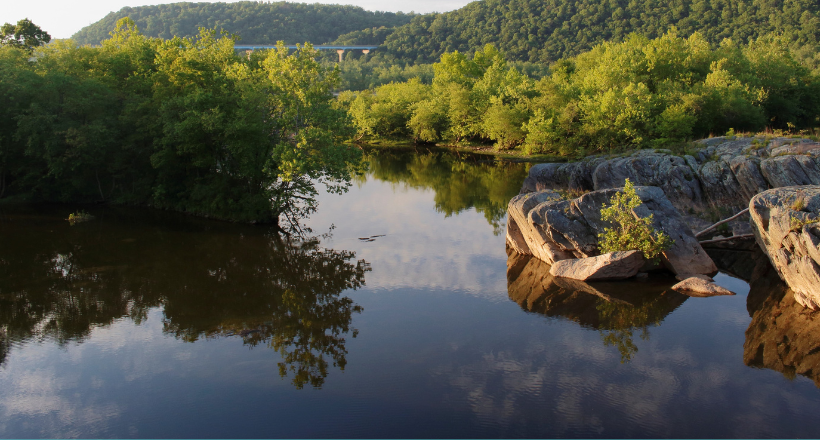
{"x":786,"y":226}
{"x":720,"y":174}
{"x":610,"y":266}
{"x":648,"y":168}
{"x":573,"y":176}
{"x":526,"y":239}
{"x":555,"y":230}
{"x":790,"y":171}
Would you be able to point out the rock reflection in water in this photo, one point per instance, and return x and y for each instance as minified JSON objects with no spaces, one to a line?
{"x":58,"y":282}
{"x":783,"y":336}
{"x":615,"y":309}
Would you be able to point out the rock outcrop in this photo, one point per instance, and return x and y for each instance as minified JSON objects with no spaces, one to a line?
{"x":719,"y":175}
{"x":551,"y":229}
{"x":786,"y":224}
{"x":609,"y":266}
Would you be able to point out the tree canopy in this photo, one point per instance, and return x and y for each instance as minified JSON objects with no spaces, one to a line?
{"x":619,"y":95}
{"x":546,"y":30}
{"x":183,"y":124}
{"x":25,"y":35}
{"x":254,"y":22}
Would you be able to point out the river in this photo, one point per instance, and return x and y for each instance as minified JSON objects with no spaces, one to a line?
{"x":400,"y":315}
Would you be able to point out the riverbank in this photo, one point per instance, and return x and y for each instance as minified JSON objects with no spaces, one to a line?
{"x":478,"y":148}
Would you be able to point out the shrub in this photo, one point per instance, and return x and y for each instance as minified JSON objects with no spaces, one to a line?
{"x":630,"y":232}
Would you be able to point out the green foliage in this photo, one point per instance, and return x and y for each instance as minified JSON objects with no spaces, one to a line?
{"x":255,"y":22}
{"x":183,"y":124}
{"x":641,"y":93}
{"x":630,"y":232}
{"x":24,"y":35}
{"x":796,"y":224}
{"x":386,"y":111}
{"x":470,"y":98}
{"x":79,"y":217}
{"x":367,"y":72}
{"x":545,"y":31}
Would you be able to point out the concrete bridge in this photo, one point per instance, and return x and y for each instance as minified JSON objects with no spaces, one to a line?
{"x":339,"y":49}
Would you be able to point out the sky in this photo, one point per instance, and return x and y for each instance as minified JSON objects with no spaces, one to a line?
{"x":62,"y":18}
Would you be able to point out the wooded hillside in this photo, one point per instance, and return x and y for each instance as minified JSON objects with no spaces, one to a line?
{"x":546,"y":30}
{"x":255,"y":22}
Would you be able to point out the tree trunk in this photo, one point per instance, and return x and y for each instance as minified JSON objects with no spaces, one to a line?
{"x":99,"y":186}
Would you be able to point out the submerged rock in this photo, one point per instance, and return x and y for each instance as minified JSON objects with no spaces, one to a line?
{"x":786,"y":223}
{"x":611,"y":266}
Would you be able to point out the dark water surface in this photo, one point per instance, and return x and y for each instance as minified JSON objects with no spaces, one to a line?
{"x":152,"y":324}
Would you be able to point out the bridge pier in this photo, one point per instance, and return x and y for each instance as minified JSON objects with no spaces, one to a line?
{"x":340,"y":52}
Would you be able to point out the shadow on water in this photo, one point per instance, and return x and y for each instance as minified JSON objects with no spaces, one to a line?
{"x":461,"y":181}
{"x":59,"y":282}
{"x":617,"y":309}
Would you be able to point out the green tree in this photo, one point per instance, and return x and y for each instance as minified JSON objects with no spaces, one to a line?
{"x":183,"y":124}
{"x":630,"y":232}
{"x":25,"y":35}
{"x":18,"y":88}
{"x":309,"y":131}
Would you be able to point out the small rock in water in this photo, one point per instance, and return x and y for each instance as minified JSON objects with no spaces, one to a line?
{"x":698,"y":286}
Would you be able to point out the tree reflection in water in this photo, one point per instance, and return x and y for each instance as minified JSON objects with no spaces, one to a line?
{"x":58,"y":282}
{"x":460,"y":180}
{"x":615,"y":309}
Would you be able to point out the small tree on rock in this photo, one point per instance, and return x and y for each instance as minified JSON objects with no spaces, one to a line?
{"x":631,"y":232}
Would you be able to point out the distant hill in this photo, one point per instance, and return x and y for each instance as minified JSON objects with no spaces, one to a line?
{"x":525,"y":30}
{"x":545,"y":30}
{"x":255,"y":22}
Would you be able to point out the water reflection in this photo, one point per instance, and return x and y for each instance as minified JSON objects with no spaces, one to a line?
{"x":616,"y":309}
{"x":783,"y":335}
{"x":460,"y":180}
{"x":58,"y":282}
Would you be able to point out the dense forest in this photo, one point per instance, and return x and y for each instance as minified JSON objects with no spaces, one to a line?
{"x":546,"y":30}
{"x":254,"y":22}
{"x":537,"y":31}
{"x":185,"y":124}
{"x":638,"y":93}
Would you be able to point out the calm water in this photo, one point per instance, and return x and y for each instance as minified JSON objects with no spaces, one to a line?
{"x":152,"y":324}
